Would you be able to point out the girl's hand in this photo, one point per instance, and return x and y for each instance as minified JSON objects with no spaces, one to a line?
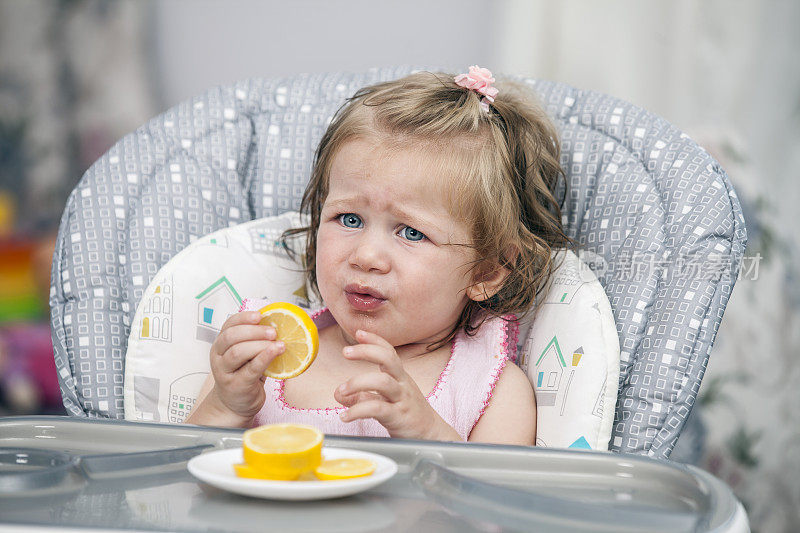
{"x":239,"y":355}
{"x":390,"y":396}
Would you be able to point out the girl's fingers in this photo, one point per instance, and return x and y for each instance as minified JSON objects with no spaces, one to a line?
{"x":242,"y":353}
{"x":380,"y":354}
{"x":238,"y":333}
{"x":379,"y":382}
{"x":349,"y":400}
{"x":367,"y":337}
{"x":377,"y":409}
{"x":255,"y":367}
{"x":245,"y":317}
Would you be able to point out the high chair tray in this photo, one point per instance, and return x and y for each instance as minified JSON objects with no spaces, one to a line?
{"x":127,"y":475}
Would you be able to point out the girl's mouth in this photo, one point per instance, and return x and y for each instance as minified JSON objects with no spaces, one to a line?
{"x":363,"y":298}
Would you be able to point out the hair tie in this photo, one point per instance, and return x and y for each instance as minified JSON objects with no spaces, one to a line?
{"x":479,"y":80}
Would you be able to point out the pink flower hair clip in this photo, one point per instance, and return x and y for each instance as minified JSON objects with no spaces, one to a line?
{"x":479,"y":80}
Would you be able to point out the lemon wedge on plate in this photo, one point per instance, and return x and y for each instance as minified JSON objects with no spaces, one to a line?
{"x":299,"y":334}
{"x":346,"y":468}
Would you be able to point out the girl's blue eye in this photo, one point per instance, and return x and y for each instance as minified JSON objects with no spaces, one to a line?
{"x":350,"y":220}
{"x":411,"y":234}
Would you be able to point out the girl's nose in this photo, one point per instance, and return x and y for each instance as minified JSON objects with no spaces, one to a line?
{"x":369,"y":254}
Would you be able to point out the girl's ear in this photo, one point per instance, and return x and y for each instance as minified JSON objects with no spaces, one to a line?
{"x":491,"y":277}
{"x":488,"y":284}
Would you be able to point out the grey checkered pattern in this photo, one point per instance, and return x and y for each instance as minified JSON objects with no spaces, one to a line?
{"x":643,"y":196}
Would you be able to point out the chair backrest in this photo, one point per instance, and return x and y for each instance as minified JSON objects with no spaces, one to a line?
{"x":657,"y":213}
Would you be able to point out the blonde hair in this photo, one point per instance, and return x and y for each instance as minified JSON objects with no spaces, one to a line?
{"x":505,"y":165}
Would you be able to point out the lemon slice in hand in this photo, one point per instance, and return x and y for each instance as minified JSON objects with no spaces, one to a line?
{"x":344,"y":468}
{"x":298,"y":333}
{"x":280,"y":451}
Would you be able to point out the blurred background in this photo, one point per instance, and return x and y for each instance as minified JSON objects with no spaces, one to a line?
{"x":77,"y":75}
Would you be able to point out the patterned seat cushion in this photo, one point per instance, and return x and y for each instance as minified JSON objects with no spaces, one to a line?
{"x":657,"y":214}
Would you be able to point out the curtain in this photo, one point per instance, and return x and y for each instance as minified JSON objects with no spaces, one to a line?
{"x":726,"y":73}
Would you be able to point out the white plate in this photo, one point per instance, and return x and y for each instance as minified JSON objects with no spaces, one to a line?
{"x":216,"y":468}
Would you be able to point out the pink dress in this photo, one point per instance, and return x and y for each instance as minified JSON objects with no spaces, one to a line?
{"x":460,"y":396}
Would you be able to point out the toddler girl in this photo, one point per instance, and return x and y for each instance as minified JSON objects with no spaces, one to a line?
{"x":432,"y":217}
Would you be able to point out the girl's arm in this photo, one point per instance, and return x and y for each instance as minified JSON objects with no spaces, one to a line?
{"x":234,"y":392}
{"x":208,"y":411}
{"x":510,"y":417}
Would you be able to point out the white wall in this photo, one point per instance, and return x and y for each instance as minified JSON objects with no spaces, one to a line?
{"x":198,"y":44}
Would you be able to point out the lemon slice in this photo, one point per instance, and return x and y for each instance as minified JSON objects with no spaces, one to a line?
{"x":298,"y":333}
{"x":344,"y":468}
{"x":280,"y":451}
{"x":247,"y":471}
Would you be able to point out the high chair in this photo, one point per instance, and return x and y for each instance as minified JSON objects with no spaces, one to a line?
{"x":655,"y":213}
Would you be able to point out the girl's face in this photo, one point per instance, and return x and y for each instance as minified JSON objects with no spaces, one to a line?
{"x":384,"y":259}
